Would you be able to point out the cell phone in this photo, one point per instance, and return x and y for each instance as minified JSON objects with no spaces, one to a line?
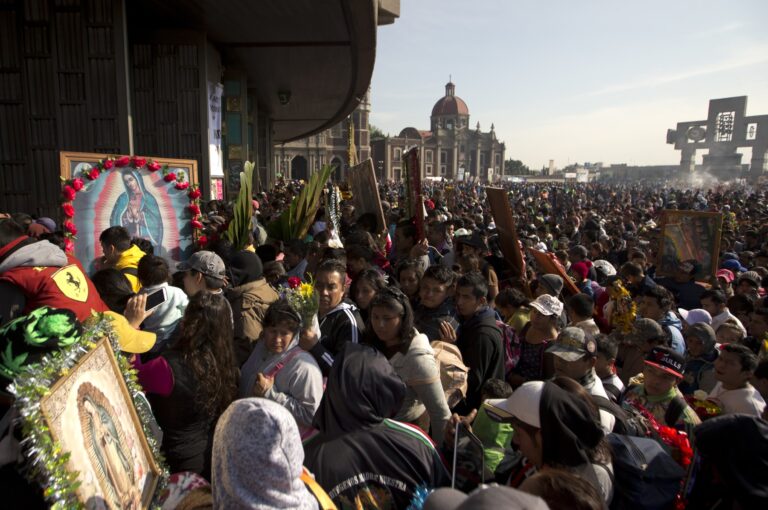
{"x":156,"y":298}
{"x":468,"y":470}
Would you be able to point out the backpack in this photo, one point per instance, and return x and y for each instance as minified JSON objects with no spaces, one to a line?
{"x":645,"y":476}
{"x":453,"y":371}
{"x":511,"y":343}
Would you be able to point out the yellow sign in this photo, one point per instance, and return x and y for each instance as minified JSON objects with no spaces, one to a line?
{"x":71,"y":282}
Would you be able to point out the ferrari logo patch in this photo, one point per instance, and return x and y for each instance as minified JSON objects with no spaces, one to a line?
{"x":71,"y":282}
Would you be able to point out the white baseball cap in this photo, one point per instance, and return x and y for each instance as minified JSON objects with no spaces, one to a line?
{"x":523,"y":404}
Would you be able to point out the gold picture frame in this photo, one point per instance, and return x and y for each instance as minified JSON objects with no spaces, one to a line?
{"x":90,"y":414}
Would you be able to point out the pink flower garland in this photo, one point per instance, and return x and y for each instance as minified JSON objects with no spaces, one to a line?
{"x":75,"y":185}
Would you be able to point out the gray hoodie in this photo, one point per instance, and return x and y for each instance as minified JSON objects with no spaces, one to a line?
{"x":37,"y":254}
{"x":258,"y":459}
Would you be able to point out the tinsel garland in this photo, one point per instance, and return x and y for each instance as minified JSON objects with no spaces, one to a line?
{"x":47,"y":464}
{"x":625,"y":310}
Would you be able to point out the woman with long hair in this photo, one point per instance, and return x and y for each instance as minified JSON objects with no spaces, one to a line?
{"x":364,"y":289}
{"x":391,"y":331}
{"x":193,"y":382}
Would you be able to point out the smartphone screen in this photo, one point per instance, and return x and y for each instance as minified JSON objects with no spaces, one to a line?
{"x":156,"y":298}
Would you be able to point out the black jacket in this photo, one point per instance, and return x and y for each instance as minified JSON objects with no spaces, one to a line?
{"x":481,"y":348}
{"x":341,"y":325}
{"x":360,"y":451}
{"x":428,"y":319}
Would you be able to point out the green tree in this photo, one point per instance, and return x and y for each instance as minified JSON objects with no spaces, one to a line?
{"x":376,"y":133}
{"x":515,"y":167}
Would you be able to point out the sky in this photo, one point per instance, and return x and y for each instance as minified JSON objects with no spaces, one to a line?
{"x":572,"y":81}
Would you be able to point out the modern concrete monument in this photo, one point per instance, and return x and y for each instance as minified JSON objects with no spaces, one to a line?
{"x":726,"y":129}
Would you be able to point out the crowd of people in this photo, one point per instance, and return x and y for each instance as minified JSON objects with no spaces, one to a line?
{"x":426,"y":343}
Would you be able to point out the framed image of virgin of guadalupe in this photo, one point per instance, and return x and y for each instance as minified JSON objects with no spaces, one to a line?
{"x":689,"y":235}
{"x":90,"y":414}
{"x":154,"y":199}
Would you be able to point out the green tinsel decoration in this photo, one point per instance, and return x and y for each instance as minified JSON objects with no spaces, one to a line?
{"x":47,"y":463}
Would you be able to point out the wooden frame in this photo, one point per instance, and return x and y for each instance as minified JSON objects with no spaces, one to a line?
{"x":689,"y":235}
{"x":91,"y":415}
{"x":96,"y":204}
{"x":365,"y":192}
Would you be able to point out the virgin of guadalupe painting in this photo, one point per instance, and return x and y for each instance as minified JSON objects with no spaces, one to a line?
{"x":104,"y":441}
{"x":138,"y":199}
{"x":137,"y":210}
{"x":90,"y":413}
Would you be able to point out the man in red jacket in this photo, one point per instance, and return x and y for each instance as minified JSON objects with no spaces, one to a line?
{"x":44,"y":274}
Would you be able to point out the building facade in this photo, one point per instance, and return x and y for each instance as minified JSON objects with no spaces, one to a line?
{"x":450,"y":149}
{"x":145,"y":77}
{"x":300,"y":158}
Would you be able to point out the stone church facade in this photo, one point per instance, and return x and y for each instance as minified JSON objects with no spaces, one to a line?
{"x":451,"y":149}
{"x":300,"y":158}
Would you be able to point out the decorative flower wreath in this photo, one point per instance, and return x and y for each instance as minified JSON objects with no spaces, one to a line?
{"x":76,"y":183}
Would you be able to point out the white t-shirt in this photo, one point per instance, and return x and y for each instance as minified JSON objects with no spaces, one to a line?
{"x":607,"y":420}
{"x":745,"y":400}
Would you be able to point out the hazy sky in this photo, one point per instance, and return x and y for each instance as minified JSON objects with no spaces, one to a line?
{"x":573,"y":81}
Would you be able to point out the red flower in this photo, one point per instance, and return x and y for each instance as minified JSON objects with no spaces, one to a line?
{"x":202,"y":241}
{"x":93,"y":174}
{"x":154,"y":166}
{"x":182,"y":185}
{"x":196,"y":224}
{"x":121,"y":162}
{"x":294,"y":282}
{"x":69,"y":246}
{"x":70,"y":227}
{"x":69,"y":193}
{"x":194,"y":194}
{"x":138,"y":162}
{"x":169,"y":177}
{"x":77,"y":184}
{"x":68,"y":210}
{"x":194,"y":209}
{"x":108,"y":164}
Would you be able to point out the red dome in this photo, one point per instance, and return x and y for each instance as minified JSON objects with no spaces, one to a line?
{"x":450,"y":104}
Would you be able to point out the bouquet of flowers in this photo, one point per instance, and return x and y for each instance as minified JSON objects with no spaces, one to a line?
{"x":303,"y":299}
{"x":704,"y":408}
{"x":625,"y":310}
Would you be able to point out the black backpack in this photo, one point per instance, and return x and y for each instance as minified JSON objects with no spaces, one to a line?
{"x":645,"y":476}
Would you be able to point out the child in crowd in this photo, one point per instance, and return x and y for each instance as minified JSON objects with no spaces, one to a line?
{"x":154,"y":274}
{"x":733,"y":369}
{"x":496,"y":436}
{"x":605,"y":366}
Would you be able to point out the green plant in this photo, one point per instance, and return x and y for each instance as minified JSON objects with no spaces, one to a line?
{"x":295,"y":221}
{"x":240,"y":226}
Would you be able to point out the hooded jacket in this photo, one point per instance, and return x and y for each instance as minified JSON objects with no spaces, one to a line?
{"x":427,"y":320}
{"x":337,"y":327}
{"x":361,"y":453}
{"x":257,"y":459}
{"x":481,"y":348}
{"x":674,"y":326}
{"x":736,"y":446}
{"x":128,"y":264}
{"x":298,"y":385}
{"x":48,"y":276}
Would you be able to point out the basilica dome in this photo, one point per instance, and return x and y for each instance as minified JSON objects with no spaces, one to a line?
{"x":450,"y":104}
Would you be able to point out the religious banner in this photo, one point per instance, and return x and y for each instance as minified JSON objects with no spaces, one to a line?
{"x":215,"y":93}
{"x":548,"y":263}
{"x":154,"y":199}
{"x":365,"y":192}
{"x":413,"y":197}
{"x":689,"y":235}
{"x":505,"y":224}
